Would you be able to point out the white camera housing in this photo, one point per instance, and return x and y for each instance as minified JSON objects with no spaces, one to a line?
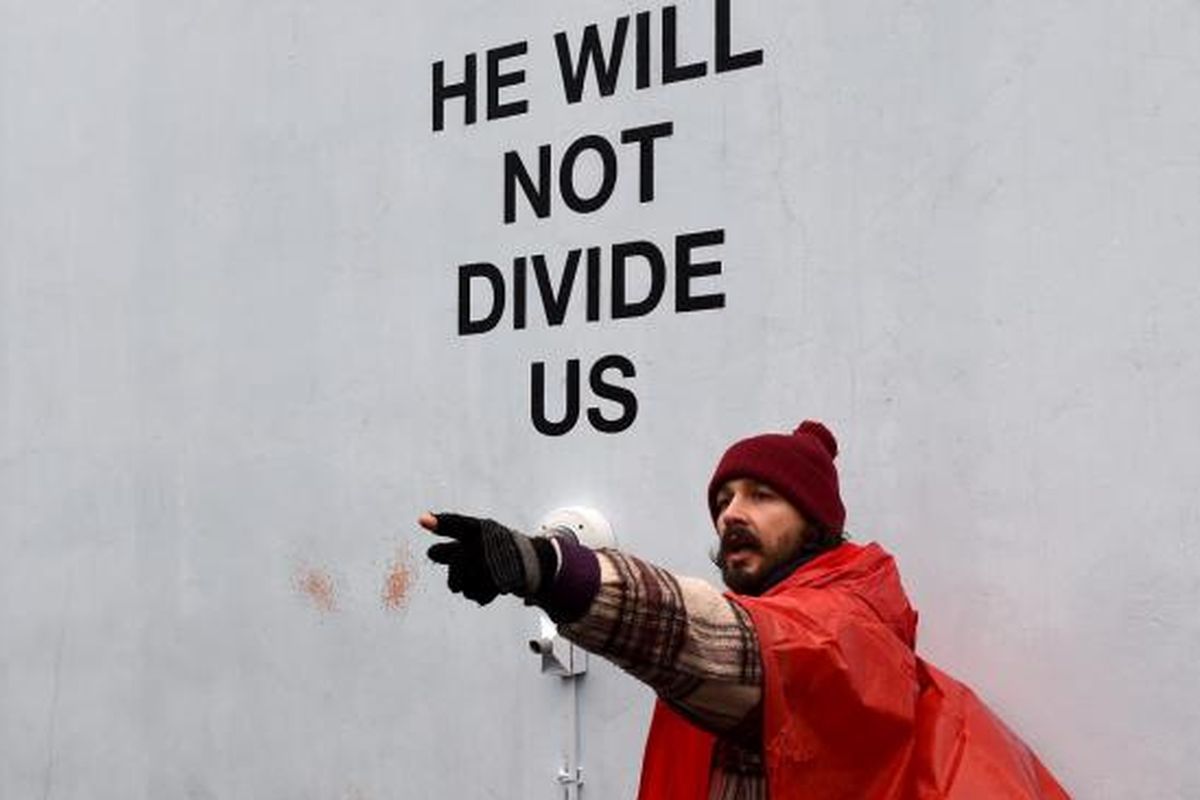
{"x":588,"y":527}
{"x":585,"y":525}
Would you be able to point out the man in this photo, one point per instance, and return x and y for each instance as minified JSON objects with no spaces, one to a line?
{"x":800,"y":682}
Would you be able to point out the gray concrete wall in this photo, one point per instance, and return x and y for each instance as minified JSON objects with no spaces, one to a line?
{"x":963,"y":234}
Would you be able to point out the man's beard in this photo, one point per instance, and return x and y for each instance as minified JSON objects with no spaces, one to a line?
{"x":740,"y":539}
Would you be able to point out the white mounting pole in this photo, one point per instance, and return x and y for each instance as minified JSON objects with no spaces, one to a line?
{"x":559,"y":657}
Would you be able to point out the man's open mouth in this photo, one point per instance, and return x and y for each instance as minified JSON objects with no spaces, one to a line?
{"x":737,"y":541}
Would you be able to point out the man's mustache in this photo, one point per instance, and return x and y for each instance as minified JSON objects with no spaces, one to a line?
{"x":737,"y":537}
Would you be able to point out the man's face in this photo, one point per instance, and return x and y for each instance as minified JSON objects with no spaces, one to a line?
{"x":758,"y":531}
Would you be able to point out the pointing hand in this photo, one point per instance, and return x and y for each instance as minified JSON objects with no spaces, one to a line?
{"x":486,"y":559}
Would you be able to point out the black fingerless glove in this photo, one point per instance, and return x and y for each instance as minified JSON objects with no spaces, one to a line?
{"x":487,"y":559}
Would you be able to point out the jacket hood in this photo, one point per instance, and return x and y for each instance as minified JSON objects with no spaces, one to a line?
{"x":868,"y":573}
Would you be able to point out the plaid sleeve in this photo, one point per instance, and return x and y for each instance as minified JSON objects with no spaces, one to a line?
{"x":679,"y":635}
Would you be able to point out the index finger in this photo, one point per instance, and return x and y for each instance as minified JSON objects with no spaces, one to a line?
{"x":454,"y":526}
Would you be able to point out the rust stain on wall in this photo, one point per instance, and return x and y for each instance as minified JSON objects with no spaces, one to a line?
{"x":399,"y":581}
{"x":318,"y":587}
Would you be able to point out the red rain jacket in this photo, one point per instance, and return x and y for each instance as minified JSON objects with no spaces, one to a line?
{"x":849,"y":710}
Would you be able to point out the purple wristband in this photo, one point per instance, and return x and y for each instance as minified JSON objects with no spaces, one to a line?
{"x":570,"y":594}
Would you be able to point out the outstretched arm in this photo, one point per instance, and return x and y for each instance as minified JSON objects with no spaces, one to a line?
{"x":681,"y":636}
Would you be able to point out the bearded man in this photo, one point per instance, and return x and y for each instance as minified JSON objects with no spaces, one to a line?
{"x":801,"y":681}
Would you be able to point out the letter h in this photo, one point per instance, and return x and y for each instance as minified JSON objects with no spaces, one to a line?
{"x":466,"y":90}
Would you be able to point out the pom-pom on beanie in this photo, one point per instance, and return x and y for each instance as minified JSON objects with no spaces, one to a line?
{"x":799,"y":467}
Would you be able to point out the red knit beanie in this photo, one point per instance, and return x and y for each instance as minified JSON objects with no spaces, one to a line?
{"x":799,"y":467}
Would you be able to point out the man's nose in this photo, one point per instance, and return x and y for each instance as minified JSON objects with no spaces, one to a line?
{"x":734,"y":513}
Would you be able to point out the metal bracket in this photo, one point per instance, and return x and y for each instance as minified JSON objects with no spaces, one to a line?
{"x":565,"y":778}
{"x":559,"y":657}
